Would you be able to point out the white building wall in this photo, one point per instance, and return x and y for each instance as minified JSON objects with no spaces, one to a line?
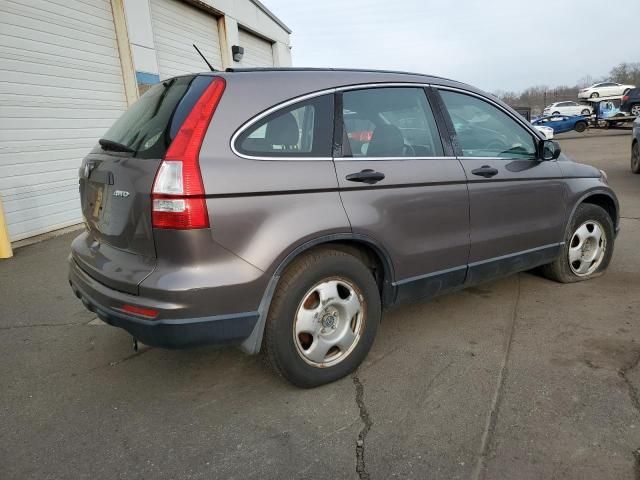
{"x":67,"y":81}
{"x":232,"y":15}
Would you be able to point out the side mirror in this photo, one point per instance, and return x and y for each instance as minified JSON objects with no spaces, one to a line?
{"x":550,"y":149}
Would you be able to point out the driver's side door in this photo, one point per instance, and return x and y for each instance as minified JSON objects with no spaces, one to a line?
{"x":516,"y":201}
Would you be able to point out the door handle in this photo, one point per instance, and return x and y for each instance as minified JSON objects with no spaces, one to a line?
{"x":485,"y":171}
{"x":366,"y":176}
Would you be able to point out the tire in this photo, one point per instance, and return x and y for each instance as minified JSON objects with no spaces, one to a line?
{"x":580,"y":127}
{"x":586,"y":215}
{"x":555,"y":113}
{"x":635,"y":109}
{"x":289,"y":340}
{"x":594,"y":95}
{"x":586,"y":112}
{"x":635,"y":157}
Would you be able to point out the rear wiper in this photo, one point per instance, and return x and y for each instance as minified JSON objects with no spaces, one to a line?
{"x":114,"y":146}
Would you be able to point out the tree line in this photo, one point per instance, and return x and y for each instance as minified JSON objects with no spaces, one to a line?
{"x":540,"y":96}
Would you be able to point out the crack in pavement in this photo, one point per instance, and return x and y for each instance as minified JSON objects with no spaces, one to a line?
{"x":489,"y":430}
{"x":635,"y":400}
{"x":361,"y":468}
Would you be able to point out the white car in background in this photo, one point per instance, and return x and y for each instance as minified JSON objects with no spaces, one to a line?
{"x":604,"y":89}
{"x":567,"y":108}
{"x":546,"y":131}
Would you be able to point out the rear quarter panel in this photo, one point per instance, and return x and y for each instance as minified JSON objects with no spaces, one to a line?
{"x":263,"y":209}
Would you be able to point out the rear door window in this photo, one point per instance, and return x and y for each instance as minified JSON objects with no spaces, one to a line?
{"x":390,"y":122}
{"x":150,"y":124}
{"x":304,"y":129}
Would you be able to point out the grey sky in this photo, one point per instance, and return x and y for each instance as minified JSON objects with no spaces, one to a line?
{"x":493,"y":44}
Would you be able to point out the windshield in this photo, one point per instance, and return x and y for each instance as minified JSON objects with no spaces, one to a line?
{"x":144,"y":127}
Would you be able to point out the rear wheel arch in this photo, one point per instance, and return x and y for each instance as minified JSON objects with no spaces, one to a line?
{"x":372,"y":254}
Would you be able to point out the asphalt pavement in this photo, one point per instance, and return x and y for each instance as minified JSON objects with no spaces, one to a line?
{"x":519,"y":378}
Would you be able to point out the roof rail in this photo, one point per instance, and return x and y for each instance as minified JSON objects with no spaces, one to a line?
{"x":321,"y":69}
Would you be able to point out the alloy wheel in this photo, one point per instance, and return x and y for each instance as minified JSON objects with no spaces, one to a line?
{"x":587,"y":248}
{"x":329,"y":322}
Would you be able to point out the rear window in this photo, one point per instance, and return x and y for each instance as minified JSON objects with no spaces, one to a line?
{"x":151,"y":123}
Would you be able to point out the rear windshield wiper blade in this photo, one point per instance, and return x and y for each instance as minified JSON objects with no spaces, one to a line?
{"x":114,"y":146}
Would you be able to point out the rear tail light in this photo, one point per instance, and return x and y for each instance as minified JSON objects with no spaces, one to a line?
{"x":178,"y":200}
{"x":144,"y":312}
{"x":625,"y":98}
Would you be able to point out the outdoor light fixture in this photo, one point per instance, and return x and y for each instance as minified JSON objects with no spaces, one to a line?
{"x":237,"y":53}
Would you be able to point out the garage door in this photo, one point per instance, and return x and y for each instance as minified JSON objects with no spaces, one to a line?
{"x":60,"y":89}
{"x":176,"y":27}
{"x":257,"y":51}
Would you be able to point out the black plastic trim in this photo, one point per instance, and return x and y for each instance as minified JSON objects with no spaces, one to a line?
{"x":399,"y":185}
{"x":173,"y":333}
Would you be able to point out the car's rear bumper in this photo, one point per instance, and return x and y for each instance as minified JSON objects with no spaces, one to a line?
{"x":107,"y":303}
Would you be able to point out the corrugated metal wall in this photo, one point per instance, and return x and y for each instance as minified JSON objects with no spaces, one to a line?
{"x":60,"y":89}
{"x":176,"y":27}
{"x":257,"y":51}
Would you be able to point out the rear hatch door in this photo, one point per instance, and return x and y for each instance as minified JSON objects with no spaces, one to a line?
{"x":116,"y":180}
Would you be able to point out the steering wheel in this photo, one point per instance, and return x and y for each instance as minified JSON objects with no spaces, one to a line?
{"x":408,"y":151}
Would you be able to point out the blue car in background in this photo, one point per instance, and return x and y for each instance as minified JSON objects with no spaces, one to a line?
{"x":563,"y":123}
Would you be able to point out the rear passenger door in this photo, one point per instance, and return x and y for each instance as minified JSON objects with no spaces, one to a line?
{"x":517,"y":200}
{"x":401,"y":186}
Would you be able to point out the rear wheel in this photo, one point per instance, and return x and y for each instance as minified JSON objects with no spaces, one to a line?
{"x":594,"y":95}
{"x":580,"y":127}
{"x":587,"y":249}
{"x":635,"y":110}
{"x":555,"y":113}
{"x":635,"y":157}
{"x":586,"y":112}
{"x":323,"y":318}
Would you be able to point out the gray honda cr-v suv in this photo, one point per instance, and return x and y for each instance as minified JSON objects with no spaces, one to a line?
{"x":283,"y":210}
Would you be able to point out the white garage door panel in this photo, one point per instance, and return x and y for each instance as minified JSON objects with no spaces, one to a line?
{"x":63,"y":112}
{"x":61,"y":71}
{"x":60,"y":89}
{"x":57,"y":31}
{"x":28,"y":194}
{"x":53,"y":196}
{"x":55,"y":220}
{"x":36,"y":211}
{"x":25,"y":123}
{"x":176,"y":27}
{"x":52,"y":13}
{"x":257,"y":51}
{"x":24,"y":157}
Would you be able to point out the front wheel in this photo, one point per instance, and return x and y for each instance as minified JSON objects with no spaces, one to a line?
{"x":587,"y":249}
{"x":586,"y":112}
{"x":580,"y":127}
{"x":594,"y":95}
{"x":323,"y":318}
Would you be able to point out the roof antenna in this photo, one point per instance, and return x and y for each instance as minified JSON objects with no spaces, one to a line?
{"x":203,"y":57}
